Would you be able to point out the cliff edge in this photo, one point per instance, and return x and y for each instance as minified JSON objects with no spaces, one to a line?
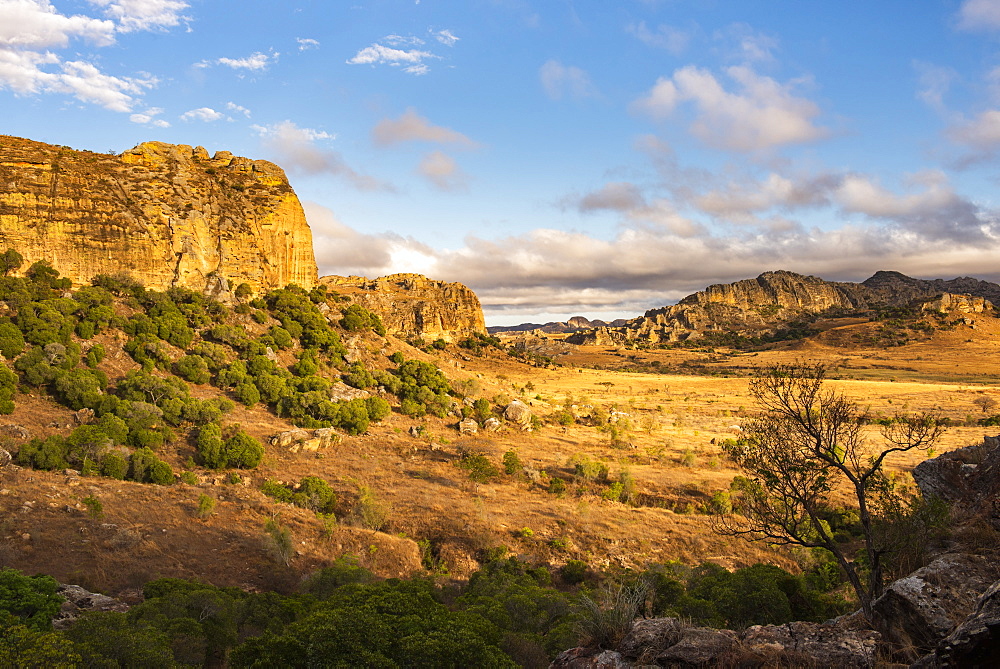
{"x":171,"y":215}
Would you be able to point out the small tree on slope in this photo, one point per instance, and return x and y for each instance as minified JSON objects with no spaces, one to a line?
{"x":807,"y":441}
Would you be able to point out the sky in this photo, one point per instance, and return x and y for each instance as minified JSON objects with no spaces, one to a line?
{"x":559,"y":157}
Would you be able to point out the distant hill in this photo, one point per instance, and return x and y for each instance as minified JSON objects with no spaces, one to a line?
{"x":575,"y":324}
{"x":784,"y":301}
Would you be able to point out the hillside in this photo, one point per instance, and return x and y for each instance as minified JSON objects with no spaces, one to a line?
{"x":779,"y":304}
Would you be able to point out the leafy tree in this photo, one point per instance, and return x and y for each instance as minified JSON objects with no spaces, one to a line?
{"x":10,"y":261}
{"x":11,"y":341}
{"x":110,"y":639}
{"x":24,"y":647}
{"x":32,"y":599}
{"x":8,"y":388}
{"x":193,"y":368}
{"x":210,"y":446}
{"x":807,"y":441}
{"x":242,"y":451}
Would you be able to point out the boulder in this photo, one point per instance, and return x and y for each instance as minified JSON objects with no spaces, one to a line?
{"x":492,"y":424}
{"x":5,"y":458}
{"x":967,"y":478}
{"x":342,"y":392}
{"x":15,"y":431}
{"x":517,"y":412}
{"x":84,"y":416}
{"x":918,"y":611}
{"x":974,"y":643}
{"x":468,"y":426}
{"x":80,"y":601}
{"x":585,"y":658}
{"x":819,"y":643}
{"x":288,"y":438}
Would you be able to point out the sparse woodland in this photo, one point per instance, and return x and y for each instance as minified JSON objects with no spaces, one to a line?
{"x":180,"y":392}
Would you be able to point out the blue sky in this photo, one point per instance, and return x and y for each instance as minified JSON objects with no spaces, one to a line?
{"x":560,"y":157}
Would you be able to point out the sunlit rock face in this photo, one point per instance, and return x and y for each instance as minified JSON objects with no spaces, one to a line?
{"x":411,"y":305}
{"x":170,"y":215}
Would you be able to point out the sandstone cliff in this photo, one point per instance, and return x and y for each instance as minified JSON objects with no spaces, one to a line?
{"x":775,"y":300}
{"x":411,"y":305}
{"x":170,"y":215}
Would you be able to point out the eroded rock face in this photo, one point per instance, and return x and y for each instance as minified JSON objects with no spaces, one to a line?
{"x":967,"y":478}
{"x":411,"y":305}
{"x":170,"y":215}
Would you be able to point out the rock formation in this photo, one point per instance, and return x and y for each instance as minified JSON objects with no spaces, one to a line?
{"x":411,"y":305}
{"x":170,"y":215}
{"x":777,"y":300}
{"x":574,"y":324}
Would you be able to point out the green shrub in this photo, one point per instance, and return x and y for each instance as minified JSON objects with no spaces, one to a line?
{"x":480,"y":469}
{"x":512,"y":463}
{"x":31,"y":599}
{"x":114,"y":465}
{"x":206,"y":506}
{"x":192,"y":368}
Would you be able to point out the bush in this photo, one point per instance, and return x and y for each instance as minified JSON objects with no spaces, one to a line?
{"x":114,"y":465}
{"x":480,"y":469}
{"x":512,"y":463}
{"x":192,"y":368}
{"x":31,"y":599}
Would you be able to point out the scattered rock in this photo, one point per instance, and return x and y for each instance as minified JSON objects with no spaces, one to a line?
{"x":84,"y":416}
{"x":492,"y":424}
{"x":468,"y":426}
{"x":5,"y":458}
{"x":517,"y":412}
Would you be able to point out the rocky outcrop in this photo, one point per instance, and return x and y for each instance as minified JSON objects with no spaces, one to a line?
{"x":778,"y":300}
{"x":668,"y":642}
{"x":170,"y":215}
{"x":974,"y":643}
{"x":411,"y":305}
{"x":78,"y":601}
{"x":967,"y":478}
{"x":918,"y":611}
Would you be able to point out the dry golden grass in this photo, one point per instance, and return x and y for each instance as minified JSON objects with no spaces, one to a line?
{"x":678,"y":422}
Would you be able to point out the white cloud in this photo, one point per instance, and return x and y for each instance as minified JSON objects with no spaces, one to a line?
{"x":148,"y":117}
{"x":746,"y":45}
{"x":133,"y":15}
{"x":446,"y":37}
{"x":443,"y":172}
{"x":295,"y":148}
{"x":306,"y":43}
{"x":411,"y":127}
{"x":255,"y":62}
{"x":761,"y":115}
{"x":30,"y":29}
{"x":979,"y":15}
{"x":560,"y":80}
{"x":412,"y":60}
{"x":35,"y":24}
{"x":206,"y":114}
{"x":233,"y":107}
{"x":664,"y":37}
{"x":85,"y":82}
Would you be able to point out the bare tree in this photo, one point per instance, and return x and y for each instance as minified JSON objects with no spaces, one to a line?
{"x":806,"y":442}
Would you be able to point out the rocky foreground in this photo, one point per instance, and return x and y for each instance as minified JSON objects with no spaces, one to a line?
{"x":945,"y":614}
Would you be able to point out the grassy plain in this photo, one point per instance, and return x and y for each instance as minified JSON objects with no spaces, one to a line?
{"x":678,"y":405}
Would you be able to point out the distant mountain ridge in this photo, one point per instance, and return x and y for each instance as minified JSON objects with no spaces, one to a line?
{"x":775,"y":300}
{"x":574,"y":324}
